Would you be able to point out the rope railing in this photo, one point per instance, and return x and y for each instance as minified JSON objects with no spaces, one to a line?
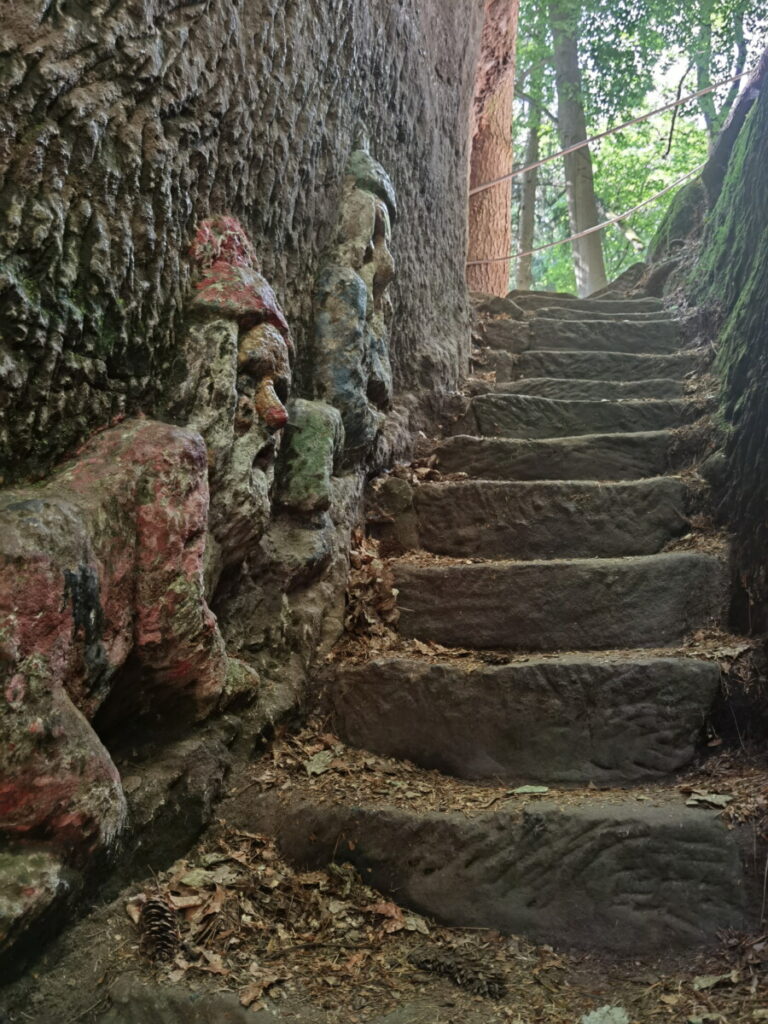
{"x":588,"y":231}
{"x":603,"y":135}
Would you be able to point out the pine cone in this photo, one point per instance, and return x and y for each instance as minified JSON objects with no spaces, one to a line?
{"x":467,"y":973}
{"x":159,"y":929}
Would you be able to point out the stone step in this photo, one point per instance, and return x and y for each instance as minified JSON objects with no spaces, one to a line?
{"x":566,"y":389}
{"x":533,"y":417}
{"x":662,"y":337}
{"x":589,"y":457}
{"x":575,"y":604}
{"x":570,"y":313}
{"x":587,"y":872}
{"x":538,"y":300}
{"x":569,"y":720}
{"x":615,"y":366}
{"x":550,"y":519}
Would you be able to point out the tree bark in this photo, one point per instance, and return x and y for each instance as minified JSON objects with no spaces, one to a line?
{"x":582,"y":205}
{"x":490,"y":229}
{"x":527,"y":222}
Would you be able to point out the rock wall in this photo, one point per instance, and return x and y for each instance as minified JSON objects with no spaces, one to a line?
{"x":728,"y":282}
{"x":167,"y":170}
{"x":126,"y":123}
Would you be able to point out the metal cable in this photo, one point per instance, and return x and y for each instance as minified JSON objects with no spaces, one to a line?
{"x":610,"y":131}
{"x":589,"y":231}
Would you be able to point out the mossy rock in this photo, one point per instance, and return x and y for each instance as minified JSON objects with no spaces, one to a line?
{"x":683,"y":220}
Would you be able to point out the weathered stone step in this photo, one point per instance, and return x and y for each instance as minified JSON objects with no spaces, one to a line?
{"x":538,"y":300}
{"x":550,"y":519}
{"x":522,"y":415}
{"x":563,"y":389}
{"x":569,"y":720}
{"x":576,"y":604}
{"x":571,"y":313}
{"x":619,"y":875}
{"x":615,"y":366}
{"x":589,"y":457}
{"x":516,"y":336}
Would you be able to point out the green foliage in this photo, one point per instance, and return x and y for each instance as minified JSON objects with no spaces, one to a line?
{"x":633,"y":55}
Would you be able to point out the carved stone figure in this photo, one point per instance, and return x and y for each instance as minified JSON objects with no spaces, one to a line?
{"x":351,"y":368}
{"x":230,"y":380}
{"x":103,"y":570}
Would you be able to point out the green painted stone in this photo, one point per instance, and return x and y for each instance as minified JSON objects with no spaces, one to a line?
{"x":371,"y":176}
{"x":313,"y":443}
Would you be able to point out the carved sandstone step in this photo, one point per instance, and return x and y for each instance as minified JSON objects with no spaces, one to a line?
{"x":580,"y":390}
{"x":618,"y":875}
{"x":615,"y":366}
{"x":530,"y":416}
{"x":549,"y":519}
{"x":517,"y":336}
{"x":576,"y":604}
{"x":570,"y":313}
{"x":589,"y":457}
{"x":569,"y":720}
{"x":538,"y":300}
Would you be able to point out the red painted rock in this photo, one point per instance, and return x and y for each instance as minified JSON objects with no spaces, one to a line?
{"x":102,"y":609}
{"x":229,"y":284}
{"x":35,"y":889}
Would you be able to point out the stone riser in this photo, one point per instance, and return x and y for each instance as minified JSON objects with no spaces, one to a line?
{"x":528,"y":416}
{"x":540,"y":300}
{"x":571,"y":313}
{"x":661,"y":337}
{"x":563,"y":389}
{"x":609,"y":366}
{"x":627,"y":878}
{"x":583,"y":604}
{"x":550,"y":519}
{"x":591,"y":457}
{"x":563,"y":721}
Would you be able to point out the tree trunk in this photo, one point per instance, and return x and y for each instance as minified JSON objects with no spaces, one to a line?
{"x":490,"y":229}
{"x":582,"y":205}
{"x":527,"y":223}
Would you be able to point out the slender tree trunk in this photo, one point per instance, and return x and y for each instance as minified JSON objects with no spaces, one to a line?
{"x":527,"y":222}
{"x":490,"y":230}
{"x":703,"y":61}
{"x":572,"y":127}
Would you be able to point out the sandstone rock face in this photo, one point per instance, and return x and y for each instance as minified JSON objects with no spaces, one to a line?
{"x":154,"y":116}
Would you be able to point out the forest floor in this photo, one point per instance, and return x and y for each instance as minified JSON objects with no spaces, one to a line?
{"x":321,"y":946}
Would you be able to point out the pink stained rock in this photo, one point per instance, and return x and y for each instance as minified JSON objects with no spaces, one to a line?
{"x":228,"y":283}
{"x":101,"y":605}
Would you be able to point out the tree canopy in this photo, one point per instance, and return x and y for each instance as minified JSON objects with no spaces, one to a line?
{"x":633,"y":56}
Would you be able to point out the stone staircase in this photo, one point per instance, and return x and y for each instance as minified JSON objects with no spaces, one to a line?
{"x":549,"y":553}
